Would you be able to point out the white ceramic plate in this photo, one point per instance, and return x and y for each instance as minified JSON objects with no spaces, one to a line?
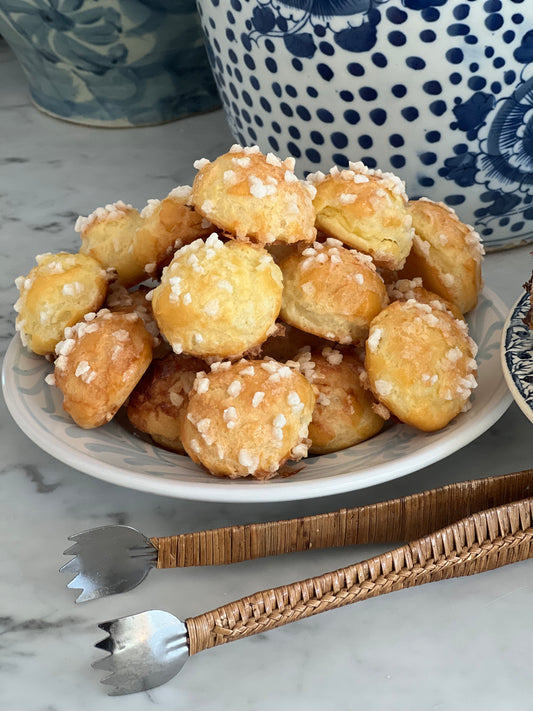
{"x":115,"y":455}
{"x":517,"y":356}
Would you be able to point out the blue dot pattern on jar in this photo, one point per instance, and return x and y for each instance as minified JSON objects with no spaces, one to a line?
{"x":326,"y":116}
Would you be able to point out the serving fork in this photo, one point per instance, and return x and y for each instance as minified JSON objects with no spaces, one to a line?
{"x":114,"y":559}
{"x":459,"y":529}
{"x":148,"y":649}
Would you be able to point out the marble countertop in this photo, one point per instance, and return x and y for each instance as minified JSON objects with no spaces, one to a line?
{"x":458,"y":644}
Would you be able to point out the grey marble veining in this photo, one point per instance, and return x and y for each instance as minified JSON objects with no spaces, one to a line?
{"x":454,"y":645}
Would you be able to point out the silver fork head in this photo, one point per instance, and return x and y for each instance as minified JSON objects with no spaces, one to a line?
{"x":145,"y":651}
{"x":108,"y":560}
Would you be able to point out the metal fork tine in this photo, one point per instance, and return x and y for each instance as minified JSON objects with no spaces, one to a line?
{"x":75,"y":583}
{"x":73,"y":566}
{"x":108,"y":560}
{"x":73,"y":550}
{"x":107,"y":643}
{"x":106,"y":626}
{"x":145,"y":650}
{"x":84,"y":596}
{"x":104,"y":664}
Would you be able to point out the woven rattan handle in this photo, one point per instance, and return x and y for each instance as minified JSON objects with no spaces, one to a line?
{"x":402,"y":519}
{"x":480,"y":542}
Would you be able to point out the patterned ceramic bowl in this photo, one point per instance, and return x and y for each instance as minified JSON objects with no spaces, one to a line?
{"x":111,"y":62}
{"x":438,"y":91}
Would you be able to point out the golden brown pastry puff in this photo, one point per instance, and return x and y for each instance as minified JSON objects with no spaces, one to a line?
{"x":331,"y":291}
{"x":446,"y":253}
{"x":135,"y":301}
{"x":405,"y":289}
{"x":107,"y":234}
{"x":254,"y":197}
{"x":248,"y":418}
{"x":218,"y":298}
{"x":158,"y":404}
{"x":166,"y":225}
{"x":366,"y":209}
{"x":57,"y":293}
{"x":99,"y":363}
{"x":345,"y":412}
{"x":420,"y":363}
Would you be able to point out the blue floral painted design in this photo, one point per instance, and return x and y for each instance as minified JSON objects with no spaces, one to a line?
{"x":502,"y":132}
{"x":112,"y":63}
{"x":270,"y":20}
{"x":471,"y":113}
{"x":330,"y":8}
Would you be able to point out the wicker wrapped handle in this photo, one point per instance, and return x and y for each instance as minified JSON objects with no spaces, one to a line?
{"x":401,"y":519}
{"x":482,"y":541}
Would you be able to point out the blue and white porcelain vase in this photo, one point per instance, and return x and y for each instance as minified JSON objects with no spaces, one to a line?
{"x":438,"y":91}
{"x":111,"y":62}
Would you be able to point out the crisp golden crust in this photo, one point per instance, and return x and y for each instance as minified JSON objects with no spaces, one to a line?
{"x":218,"y":299}
{"x":420,"y":363}
{"x":166,"y":225}
{"x":253,"y":265}
{"x":99,"y":363}
{"x":365,"y":209}
{"x":345,"y":412}
{"x":405,"y":289}
{"x":57,"y":293}
{"x":248,"y":418}
{"x":254,"y":197}
{"x":332,"y":292}
{"x":107,"y":234}
{"x":446,"y":253}
{"x":135,"y":301}
{"x":158,"y":403}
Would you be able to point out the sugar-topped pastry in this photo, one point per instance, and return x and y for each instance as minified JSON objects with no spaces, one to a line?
{"x":134,"y":301}
{"x":165,"y":226}
{"x":405,"y":289}
{"x":366,"y":209}
{"x":107,"y":234}
{"x":331,"y":291}
{"x":55,"y":294}
{"x":98,"y":364}
{"x":421,"y":363}
{"x":446,"y":253}
{"x":218,"y":299}
{"x":254,"y":197}
{"x":247,"y":418}
{"x":159,"y":401}
{"x":345,"y":412}
{"x":282,"y":315}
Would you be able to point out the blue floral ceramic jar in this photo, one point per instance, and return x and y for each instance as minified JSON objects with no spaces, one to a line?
{"x":111,"y":62}
{"x":438,"y":91}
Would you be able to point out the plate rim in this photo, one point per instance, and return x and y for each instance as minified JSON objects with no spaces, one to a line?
{"x":282,"y":490}
{"x":508,"y":374}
